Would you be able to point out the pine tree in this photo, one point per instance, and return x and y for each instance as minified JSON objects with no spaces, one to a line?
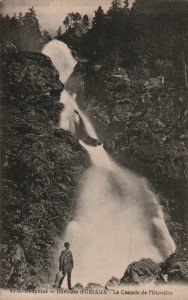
{"x":86,"y":20}
{"x":23,"y":31}
{"x":71,"y":20}
{"x":66,"y":23}
{"x":98,"y":20}
{"x":77,"y":19}
{"x":116,"y":4}
{"x":20,"y":18}
{"x":126,"y":3}
{"x":31,"y":34}
{"x":46,"y":37}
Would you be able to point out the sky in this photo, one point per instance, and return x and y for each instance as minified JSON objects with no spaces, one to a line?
{"x":51,"y":13}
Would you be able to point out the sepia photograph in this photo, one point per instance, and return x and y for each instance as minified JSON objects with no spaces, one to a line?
{"x":94,"y":149}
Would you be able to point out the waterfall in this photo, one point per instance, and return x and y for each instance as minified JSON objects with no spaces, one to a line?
{"x":118,"y":218}
{"x":63,"y":61}
{"x":61,"y":58}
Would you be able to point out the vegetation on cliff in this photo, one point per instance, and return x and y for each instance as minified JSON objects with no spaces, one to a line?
{"x":41,"y":166}
{"x":134,"y":88}
{"x":23,"y":31}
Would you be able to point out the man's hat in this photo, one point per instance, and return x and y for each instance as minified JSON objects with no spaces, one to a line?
{"x":66,"y":244}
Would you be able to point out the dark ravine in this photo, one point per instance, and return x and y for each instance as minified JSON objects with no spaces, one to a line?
{"x":41,"y":165}
{"x":131,"y":82}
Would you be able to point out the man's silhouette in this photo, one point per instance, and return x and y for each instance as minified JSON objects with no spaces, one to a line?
{"x":66,"y":265}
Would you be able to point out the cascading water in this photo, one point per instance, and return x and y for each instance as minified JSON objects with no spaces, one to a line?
{"x":63,"y":61}
{"x":118,"y":218}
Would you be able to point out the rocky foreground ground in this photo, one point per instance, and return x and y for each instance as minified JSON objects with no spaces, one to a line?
{"x":142,"y":272}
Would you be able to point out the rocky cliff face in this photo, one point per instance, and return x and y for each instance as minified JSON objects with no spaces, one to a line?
{"x":41,"y":166}
{"x":143,"y":125}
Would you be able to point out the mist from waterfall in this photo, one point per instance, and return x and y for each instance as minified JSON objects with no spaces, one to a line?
{"x":118,"y":218}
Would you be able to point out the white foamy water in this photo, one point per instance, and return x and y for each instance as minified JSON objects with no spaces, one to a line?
{"x":118,"y":221}
{"x":61,"y":58}
{"x":118,"y":218}
{"x":64,"y":62}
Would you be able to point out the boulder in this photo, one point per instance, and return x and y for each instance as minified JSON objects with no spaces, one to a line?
{"x":94,"y":286}
{"x":179,"y":273}
{"x":78,"y":287}
{"x":112,"y":283}
{"x":143,"y":271}
{"x":176,"y":270}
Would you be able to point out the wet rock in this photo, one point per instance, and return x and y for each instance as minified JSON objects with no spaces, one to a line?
{"x":92,"y":142}
{"x":143,"y":271}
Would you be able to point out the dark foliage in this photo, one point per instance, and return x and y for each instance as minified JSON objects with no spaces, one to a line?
{"x":153,"y":34}
{"x":24,"y":31}
{"x":76,"y":27}
{"x":134,"y":88}
{"x":137,"y":84}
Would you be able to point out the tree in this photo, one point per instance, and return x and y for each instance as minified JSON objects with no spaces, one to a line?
{"x":166,"y":6}
{"x":86,"y":20}
{"x":116,"y":4}
{"x":31,"y":34}
{"x":69,"y":21}
{"x":66,"y":23}
{"x":98,"y":20}
{"x":72,"y":20}
{"x":46,"y":37}
{"x":77,"y":19}
{"x":126,"y":3}
{"x":23,"y":31}
{"x":31,"y":16}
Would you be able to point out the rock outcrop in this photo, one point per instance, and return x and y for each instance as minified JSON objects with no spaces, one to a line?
{"x":178,"y":273}
{"x":78,"y":287}
{"x":112,"y":283}
{"x":145,"y":130}
{"x":176,"y":269}
{"x":94,"y":286}
{"x":143,"y":271}
{"x":41,"y":165}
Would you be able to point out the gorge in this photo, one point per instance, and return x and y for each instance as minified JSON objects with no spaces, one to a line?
{"x":118,"y":218}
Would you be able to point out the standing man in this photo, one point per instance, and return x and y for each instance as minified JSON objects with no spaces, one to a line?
{"x":66,"y":265}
